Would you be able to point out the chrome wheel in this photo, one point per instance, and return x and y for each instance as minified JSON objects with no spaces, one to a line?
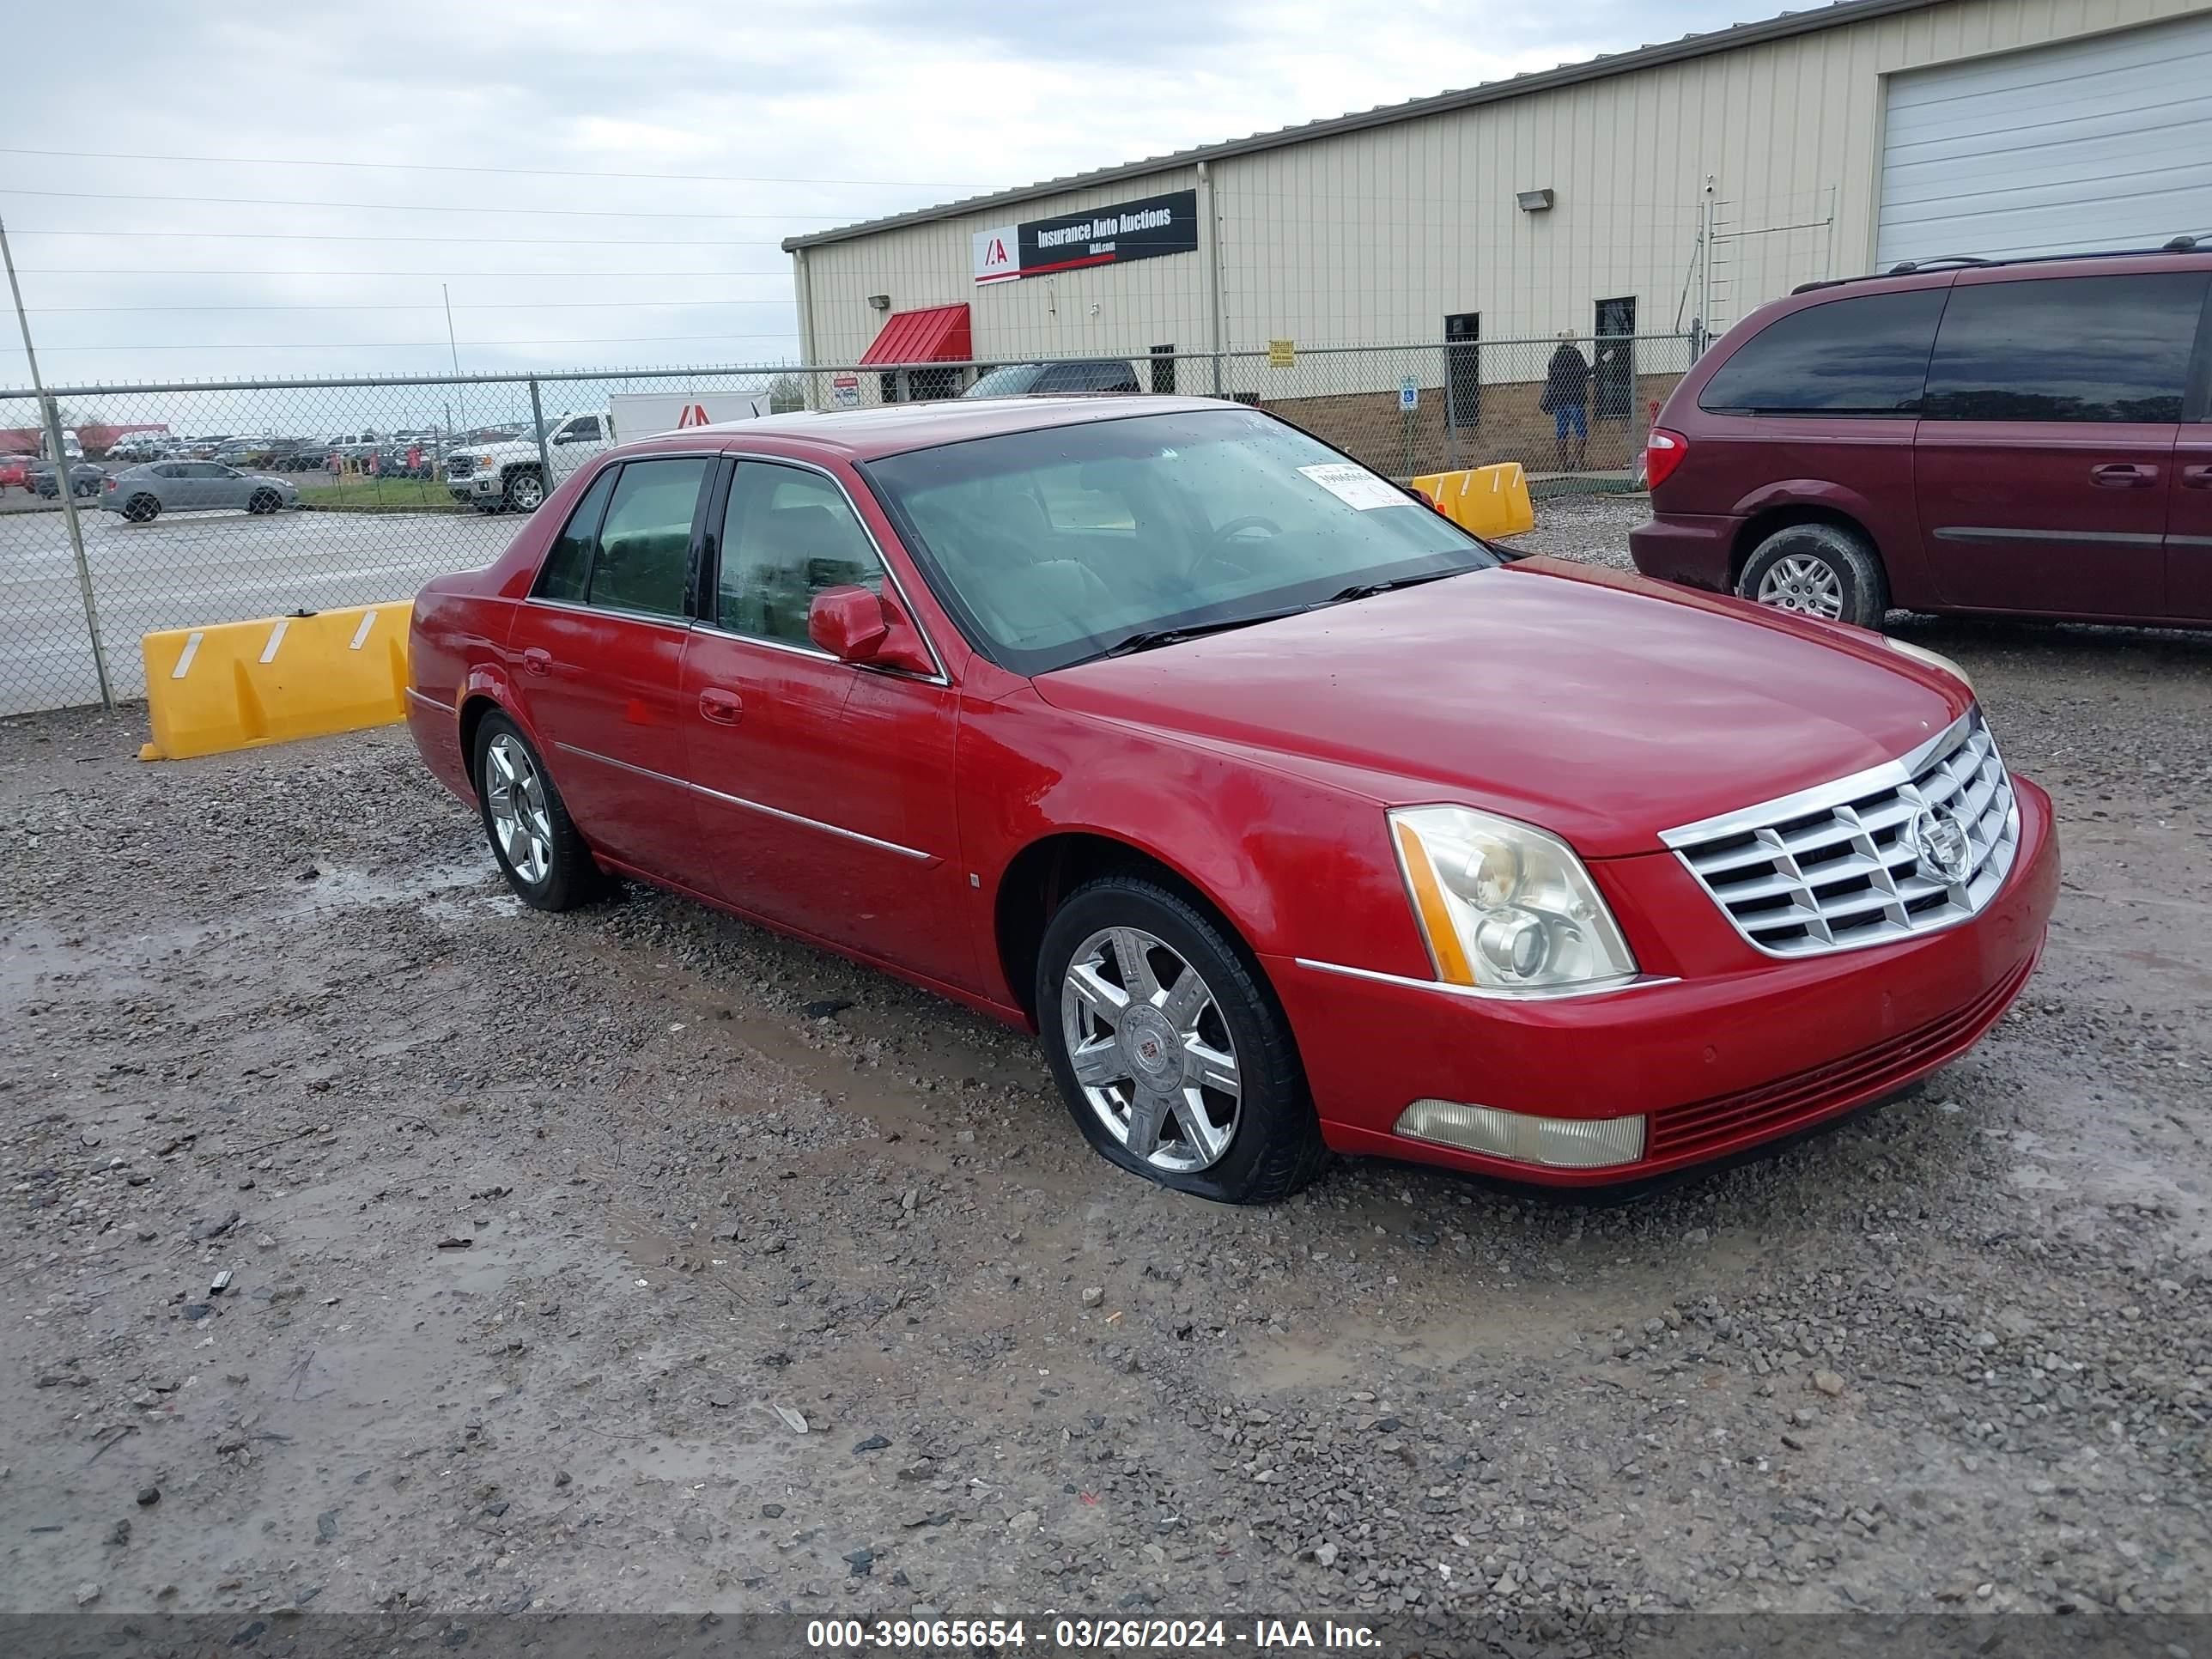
{"x":1151,"y":1050}
{"x":514,"y":795}
{"x":1806,"y":584}
{"x":525,"y":491}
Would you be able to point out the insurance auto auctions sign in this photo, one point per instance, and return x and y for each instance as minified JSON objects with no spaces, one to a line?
{"x":1101,"y":236}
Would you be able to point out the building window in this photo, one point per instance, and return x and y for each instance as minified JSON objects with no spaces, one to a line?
{"x":1164,"y":369}
{"x":1612,"y":377}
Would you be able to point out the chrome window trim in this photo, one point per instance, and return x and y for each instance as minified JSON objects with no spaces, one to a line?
{"x":890,"y":574}
{"x":1484,"y":993}
{"x":681,"y":624}
{"x":761,"y":807}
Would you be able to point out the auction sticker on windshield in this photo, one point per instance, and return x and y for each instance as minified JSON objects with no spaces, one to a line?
{"x":1355,"y":486}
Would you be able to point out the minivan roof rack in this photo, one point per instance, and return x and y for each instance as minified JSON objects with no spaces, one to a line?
{"x":2200,"y":242}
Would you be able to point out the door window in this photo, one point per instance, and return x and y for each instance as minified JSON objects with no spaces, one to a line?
{"x":2099,"y":348}
{"x":582,"y":431}
{"x":787,"y":534}
{"x":642,"y":562}
{"x":1865,"y":355}
{"x":1164,"y":361}
{"x":1462,"y":369}
{"x":567,"y":572}
{"x":1612,"y":391}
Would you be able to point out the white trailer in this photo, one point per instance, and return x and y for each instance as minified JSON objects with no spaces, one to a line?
{"x":636,"y":415}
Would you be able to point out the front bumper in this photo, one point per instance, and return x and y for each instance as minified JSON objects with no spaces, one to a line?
{"x":1717,"y":1061}
{"x":479,"y":486}
{"x":1697,"y":549}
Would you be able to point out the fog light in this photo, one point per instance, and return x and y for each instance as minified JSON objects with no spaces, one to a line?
{"x":1563,"y":1143}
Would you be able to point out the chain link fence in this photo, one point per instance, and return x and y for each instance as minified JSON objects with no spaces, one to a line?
{"x":211,"y":503}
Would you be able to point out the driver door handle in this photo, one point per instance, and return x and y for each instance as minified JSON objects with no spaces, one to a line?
{"x":723,"y":708}
{"x":2197,"y":477}
{"x":2124,"y":475}
{"x":537,"y":660}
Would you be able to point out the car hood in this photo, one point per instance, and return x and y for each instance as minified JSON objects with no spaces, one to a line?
{"x":1597,"y":704}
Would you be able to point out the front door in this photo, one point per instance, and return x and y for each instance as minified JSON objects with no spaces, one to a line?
{"x":2045,"y":459}
{"x":824,"y":792}
{"x":598,"y":659}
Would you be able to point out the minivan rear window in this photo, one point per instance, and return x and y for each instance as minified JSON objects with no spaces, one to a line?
{"x":1863,"y":356}
{"x":2097,"y":349}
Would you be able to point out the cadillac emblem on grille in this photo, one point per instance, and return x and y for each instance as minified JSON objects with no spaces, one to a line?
{"x":1941,"y":842}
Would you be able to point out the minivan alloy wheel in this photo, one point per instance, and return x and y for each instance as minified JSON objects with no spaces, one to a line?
{"x":1151,"y":1050}
{"x":515,"y":795}
{"x":1804,"y":583}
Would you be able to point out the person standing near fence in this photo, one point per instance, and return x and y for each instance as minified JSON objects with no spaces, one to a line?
{"x":1566,"y":397}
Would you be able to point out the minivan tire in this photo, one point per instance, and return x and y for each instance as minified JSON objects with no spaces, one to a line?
{"x":1817,"y":568}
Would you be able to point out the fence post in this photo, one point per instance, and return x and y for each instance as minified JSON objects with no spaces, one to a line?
{"x":544,"y":456}
{"x":66,"y":488}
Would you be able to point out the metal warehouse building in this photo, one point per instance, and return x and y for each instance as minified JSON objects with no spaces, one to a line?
{"x":1657,"y":193}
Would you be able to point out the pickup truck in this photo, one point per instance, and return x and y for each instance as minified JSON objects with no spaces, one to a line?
{"x":495,"y":476}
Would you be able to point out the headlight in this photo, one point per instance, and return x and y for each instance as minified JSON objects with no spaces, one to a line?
{"x":1935,"y":660}
{"x":1506,"y":908}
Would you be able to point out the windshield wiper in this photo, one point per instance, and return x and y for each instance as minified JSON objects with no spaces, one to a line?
{"x":1149,"y":639}
{"x":1369,"y":590}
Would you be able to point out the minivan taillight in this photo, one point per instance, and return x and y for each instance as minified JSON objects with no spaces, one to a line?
{"x":110,"y":483}
{"x":1662,"y":452}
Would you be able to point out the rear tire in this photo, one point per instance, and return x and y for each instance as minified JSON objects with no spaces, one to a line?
{"x":1818,"y":569}
{"x":142,"y":509}
{"x":263,"y":501}
{"x":545,"y":859}
{"x":1147,"y":1098}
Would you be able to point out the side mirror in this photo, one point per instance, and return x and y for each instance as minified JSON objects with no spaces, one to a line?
{"x":866,"y":630}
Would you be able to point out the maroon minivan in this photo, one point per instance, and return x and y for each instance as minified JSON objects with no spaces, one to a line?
{"x":2027,"y":438}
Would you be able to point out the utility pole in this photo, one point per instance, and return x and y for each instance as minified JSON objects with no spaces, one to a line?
{"x":453,"y":345}
{"x":64,"y":483}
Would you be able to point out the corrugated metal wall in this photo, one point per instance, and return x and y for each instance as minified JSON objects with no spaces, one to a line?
{"x":1373,"y":236}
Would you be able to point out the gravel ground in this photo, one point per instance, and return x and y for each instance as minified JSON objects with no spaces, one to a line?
{"x":545,"y":1236}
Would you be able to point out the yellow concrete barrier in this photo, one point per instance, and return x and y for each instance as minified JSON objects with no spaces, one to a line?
{"x":239,"y":685}
{"x":1484,"y":500}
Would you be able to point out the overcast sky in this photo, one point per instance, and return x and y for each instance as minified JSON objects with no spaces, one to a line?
{"x":346,"y":160}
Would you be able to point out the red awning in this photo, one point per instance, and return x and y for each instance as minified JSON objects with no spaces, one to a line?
{"x":935,"y":334}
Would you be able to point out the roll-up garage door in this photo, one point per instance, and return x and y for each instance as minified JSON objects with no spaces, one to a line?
{"x":2102,"y":142}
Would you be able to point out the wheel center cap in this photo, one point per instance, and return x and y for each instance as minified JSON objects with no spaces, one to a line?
{"x":1148,"y":1043}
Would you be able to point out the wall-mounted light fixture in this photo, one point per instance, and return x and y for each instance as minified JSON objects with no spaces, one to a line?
{"x":1533,"y":201}
{"x":883,"y":301}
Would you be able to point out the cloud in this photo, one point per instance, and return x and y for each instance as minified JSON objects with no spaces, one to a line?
{"x":891,"y":106}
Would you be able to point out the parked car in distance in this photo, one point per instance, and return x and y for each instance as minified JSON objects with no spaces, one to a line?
{"x":137,"y":446}
{"x":1289,"y":815}
{"x":15,"y":471}
{"x":85,"y":478}
{"x":312,"y":455}
{"x":143,"y":493}
{"x":2020,"y":437}
{"x":1067,"y":375}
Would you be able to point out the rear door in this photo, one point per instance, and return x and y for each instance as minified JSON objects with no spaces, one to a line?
{"x":599,"y":651}
{"x":2044,"y":457}
{"x":823,"y":791}
{"x":2189,"y":517}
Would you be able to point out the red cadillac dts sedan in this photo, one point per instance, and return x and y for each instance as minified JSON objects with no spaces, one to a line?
{"x":1290,"y":815}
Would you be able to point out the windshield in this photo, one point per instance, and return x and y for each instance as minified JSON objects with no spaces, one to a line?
{"x":1011,"y":382}
{"x":1059,"y":544}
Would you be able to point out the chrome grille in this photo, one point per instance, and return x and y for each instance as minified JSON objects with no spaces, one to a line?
{"x":1859,"y":861}
{"x":460,"y":466}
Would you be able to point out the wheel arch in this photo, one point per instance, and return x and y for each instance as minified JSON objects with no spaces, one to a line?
{"x":1039,"y":877}
{"x":1764,"y":521}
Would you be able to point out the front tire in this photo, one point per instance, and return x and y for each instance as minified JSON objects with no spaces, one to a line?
{"x":1818,"y":569}
{"x":525,"y":491}
{"x":263,"y":502}
{"x":539,"y":851}
{"x":1170,"y":1047}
